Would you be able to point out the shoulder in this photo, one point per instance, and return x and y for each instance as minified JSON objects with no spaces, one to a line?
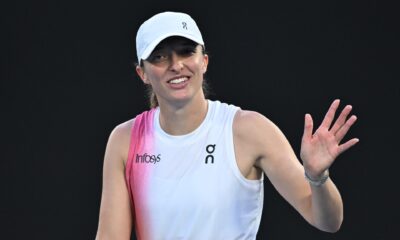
{"x":122,"y":130}
{"x":119,"y":140}
{"x":257,"y":131}
{"x":121,"y":134}
{"x":250,"y":122}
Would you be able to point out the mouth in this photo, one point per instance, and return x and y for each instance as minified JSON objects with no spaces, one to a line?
{"x":179,"y":80}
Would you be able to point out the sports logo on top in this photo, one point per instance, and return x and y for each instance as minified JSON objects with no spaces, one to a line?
{"x":210,"y":150}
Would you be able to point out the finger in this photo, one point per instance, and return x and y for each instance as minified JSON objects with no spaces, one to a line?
{"x":345,"y":128}
{"x":330,"y":114}
{"x":308,"y":127}
{"x":348,"y":145}
{"x":341,"y":119}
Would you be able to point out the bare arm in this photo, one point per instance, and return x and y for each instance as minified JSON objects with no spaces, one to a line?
{"x":115,"y":218}
{"x":321,"y":206}
{"x":318,"y":152}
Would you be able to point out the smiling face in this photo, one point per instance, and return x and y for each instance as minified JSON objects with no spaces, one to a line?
{"x":175,"y":70}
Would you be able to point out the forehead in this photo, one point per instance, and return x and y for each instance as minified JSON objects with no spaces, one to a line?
{"x":175,"y":41}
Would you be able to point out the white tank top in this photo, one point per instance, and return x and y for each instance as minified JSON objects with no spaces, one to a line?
{"x":189,"y":186}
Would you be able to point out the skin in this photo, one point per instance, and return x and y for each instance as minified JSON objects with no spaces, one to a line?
{"x":260,"y":146}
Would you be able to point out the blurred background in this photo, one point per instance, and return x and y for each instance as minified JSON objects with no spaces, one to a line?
{"x":67,"y":79}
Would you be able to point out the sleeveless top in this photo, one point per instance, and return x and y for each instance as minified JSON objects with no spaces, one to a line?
{"x":189,"y":186}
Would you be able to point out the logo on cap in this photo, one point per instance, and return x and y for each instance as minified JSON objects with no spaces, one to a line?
{"x":184,"y":25}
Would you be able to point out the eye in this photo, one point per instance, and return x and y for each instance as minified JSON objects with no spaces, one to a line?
{"x":187,"y":51}
{"x":157,"y":56}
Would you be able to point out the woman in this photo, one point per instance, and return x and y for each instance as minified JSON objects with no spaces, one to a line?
{"x":192,"y":168}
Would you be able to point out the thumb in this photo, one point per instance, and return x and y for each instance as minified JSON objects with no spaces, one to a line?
{"x":308,"y":127}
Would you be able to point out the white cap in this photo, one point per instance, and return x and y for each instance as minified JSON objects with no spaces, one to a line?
{"x":161,"y":26}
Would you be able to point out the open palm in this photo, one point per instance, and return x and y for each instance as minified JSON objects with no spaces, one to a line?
{"x":319,"y":150}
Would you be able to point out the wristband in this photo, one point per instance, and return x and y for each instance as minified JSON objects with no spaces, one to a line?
{"x":317,"y":182}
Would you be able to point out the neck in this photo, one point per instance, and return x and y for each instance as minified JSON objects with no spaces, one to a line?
{"x":183,"y":119}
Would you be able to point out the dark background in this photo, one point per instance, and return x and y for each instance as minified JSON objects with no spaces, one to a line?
{"x":67,"y":79}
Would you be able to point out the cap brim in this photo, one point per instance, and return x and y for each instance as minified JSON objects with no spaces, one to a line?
{"x":146,"y":53}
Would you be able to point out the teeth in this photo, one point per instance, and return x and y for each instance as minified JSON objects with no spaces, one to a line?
{"x":178,"y":80}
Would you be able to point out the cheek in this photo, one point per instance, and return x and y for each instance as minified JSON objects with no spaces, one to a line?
{"x":153,"y":76}
{"x":199,"y":66}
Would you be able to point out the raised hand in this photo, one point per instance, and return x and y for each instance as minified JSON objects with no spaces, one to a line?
{"x":319,"y":150}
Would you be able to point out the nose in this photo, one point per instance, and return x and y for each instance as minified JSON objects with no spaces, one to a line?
{"x":176,"y":62}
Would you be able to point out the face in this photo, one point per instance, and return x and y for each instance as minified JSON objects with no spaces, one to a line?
{"x":175,"y":70}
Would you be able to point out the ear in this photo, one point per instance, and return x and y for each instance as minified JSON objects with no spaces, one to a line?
{"x":205,"y":63}
{"x":142,"y":74}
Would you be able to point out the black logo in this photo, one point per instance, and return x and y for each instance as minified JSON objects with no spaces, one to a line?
{"x":184,"y":25}
{"x":146,"y":158}
{"x":210,"y":150}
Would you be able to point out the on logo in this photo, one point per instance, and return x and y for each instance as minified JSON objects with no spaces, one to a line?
{"x":210,"y":150}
